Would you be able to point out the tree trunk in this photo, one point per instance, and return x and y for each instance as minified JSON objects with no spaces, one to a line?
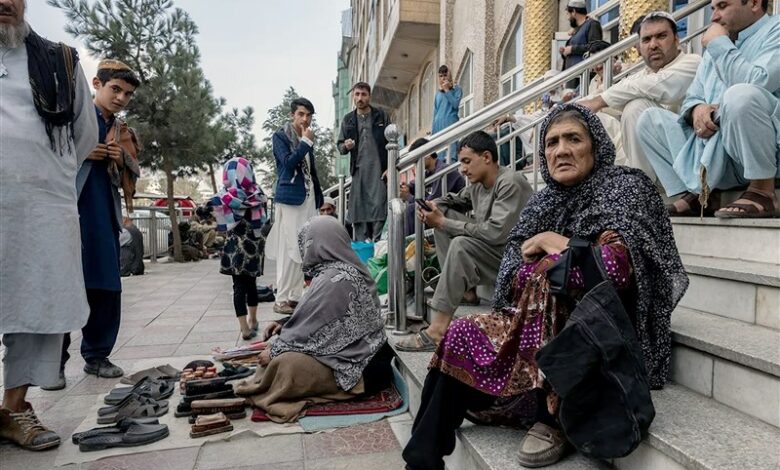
{"x":169,"y":178}
{"x":213,"y":178}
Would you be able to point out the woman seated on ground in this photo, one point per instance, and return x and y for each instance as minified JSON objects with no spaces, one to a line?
{"x":485,"y":363}
{"x":334,"y":346}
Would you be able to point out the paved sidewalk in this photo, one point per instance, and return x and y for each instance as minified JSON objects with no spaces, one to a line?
{"x":184,"y":310}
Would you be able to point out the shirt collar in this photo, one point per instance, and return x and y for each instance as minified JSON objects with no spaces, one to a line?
{"x":751,"y":30}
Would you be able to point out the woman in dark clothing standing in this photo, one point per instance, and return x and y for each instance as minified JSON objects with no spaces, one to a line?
{"x":240,"y":209}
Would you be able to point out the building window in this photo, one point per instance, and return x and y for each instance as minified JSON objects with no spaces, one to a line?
{"x":512,"y":61}
{"x":466,"y":81}
{"x":426,"y":97}
{"x":414,"y":112}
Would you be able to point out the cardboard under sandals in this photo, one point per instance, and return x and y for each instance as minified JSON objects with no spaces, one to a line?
{"x":156,"y":389}
{"x":206,"y":425}
{"x":133,"y":406}
{"x":135,"y":435}
{"x":233,"y":408}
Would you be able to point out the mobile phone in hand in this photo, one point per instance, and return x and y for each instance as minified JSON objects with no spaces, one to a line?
{"x":423,"y":205}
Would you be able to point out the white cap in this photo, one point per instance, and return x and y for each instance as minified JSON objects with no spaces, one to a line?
{"x":576,"y":4}
{"x":329,"y":200}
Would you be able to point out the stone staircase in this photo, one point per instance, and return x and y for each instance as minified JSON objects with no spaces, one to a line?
{"x":722,"y":410}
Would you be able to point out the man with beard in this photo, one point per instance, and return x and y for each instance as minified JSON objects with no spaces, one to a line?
{"x":586,"y":32}
{"x":363,"y":137}
{"x":48,"y":130}
{"x":662,"y":83}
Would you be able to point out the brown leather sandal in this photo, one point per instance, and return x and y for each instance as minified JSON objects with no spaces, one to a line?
{"x":694,"y":206}
{"x":749,"y":211}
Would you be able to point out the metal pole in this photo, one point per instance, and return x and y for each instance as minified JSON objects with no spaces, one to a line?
{"x":342,"y":200}
{"x":536,"y":161}
{"x":396,"y":285}
{"x":607,"y":73}
{"x":419,"y":253}
{"x":585,"y":82}
{"x":153,"y":235}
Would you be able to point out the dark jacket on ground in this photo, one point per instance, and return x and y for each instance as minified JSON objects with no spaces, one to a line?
{"x":349,"y":130}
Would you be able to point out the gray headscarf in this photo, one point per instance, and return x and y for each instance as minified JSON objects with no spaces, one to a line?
{"x":337,"y":321}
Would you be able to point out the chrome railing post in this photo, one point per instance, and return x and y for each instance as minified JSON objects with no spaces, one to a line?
{"x":535,"y":142}
{"x":419,"y":243}
{"x":607,"y":73}
{"x":396,"y":282}
{"x":342,"y":209}
{"x":152,"y":236}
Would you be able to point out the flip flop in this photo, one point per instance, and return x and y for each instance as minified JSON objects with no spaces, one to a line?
{"x":121,"y":426}
{"x":420,"y":342}
{"x":133,"y":406}
{"x":153,"y":388}
{"x":135,"y":435}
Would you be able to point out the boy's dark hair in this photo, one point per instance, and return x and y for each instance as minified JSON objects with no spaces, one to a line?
{"x":443,"y":69}
{"x":637,"y":24}
{"x":105,"y":75}
{"x":479,"y":142}
{"x":298,"y":102}
{"x":419,"y":143}
{"x":361,"y":86}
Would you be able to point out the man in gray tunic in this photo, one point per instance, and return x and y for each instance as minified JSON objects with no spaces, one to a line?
{"x":469,"y":248}
{"x":363,"y":137}
{"x":47,"y":129}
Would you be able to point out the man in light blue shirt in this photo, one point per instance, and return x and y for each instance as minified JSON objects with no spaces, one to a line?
{"x":728,"y":130}
{"x":445,"y":106}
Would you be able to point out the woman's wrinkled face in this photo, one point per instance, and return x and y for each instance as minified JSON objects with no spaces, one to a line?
{"x":568,"y":149}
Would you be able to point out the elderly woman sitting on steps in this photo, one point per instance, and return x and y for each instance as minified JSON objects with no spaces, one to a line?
{"x":334,"y":346}
{"x":485,"y":364}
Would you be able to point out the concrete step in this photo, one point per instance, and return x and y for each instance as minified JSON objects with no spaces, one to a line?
{"x":742,"y":290}
{"x":689,"y":431}
{"x":694,"y":432}
{"x":738,"y":239}
{"x":732,"y":362}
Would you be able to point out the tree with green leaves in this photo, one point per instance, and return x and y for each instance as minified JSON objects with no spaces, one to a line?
{"x":174,"y":109}
{"x":324,"y":148}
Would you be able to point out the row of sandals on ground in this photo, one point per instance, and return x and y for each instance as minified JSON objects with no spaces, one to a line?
{"x":537,"y":250}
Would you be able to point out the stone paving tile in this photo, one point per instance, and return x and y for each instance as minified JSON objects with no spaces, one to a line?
{"x":223,"y":323}
{"x":383,"y":461}
{"x":192,"y":349}
{"x":364,"y":439}
{"x":247,"y":450}
{"x":13,"y":457}
{"x":175,"y":459}
{"x":92,"y":385}
{"x":300,"y":465}
{"x":145,"y":352}
{"x":228,"y":337}
{"x":219,"y":312}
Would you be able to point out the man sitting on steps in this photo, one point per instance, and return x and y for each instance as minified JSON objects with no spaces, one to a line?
{"x":469,"y":248}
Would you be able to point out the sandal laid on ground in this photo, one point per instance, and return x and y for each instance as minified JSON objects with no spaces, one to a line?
{"x":121,"y":426}
{"x":134,"y":406}
{"x":166,"y":372}
{"x":419,"y":342}
{"x":749,"y":211}
{"x":153,"y":388}
{"x":694,"y":206}
{"x":135,"y":435}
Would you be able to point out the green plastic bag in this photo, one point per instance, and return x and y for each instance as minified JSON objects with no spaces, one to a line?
{"x":377,"y":268}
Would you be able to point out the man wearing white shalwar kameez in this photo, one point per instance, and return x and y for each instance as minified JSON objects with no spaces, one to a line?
{"x":296,"y":199}
{"x":662,"y":83}
{"x":44,"y":138}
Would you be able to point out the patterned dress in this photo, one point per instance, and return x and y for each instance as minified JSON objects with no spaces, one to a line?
{"x":494,"y":352}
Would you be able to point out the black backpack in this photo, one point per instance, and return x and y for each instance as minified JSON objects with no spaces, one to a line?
{"x":595,"y":364}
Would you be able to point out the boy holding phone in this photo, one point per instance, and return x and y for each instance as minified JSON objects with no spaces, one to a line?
{"x":469,"y":247}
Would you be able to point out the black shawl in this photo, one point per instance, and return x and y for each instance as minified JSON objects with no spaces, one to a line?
{"x":52,"y":69}
{"x":610,"y":198}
